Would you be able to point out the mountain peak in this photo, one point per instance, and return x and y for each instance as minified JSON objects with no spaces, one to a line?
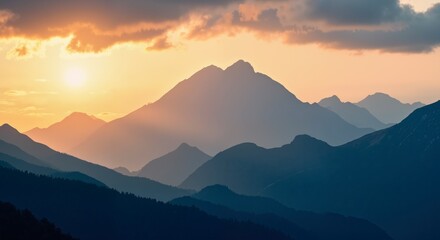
{"x":382,"y":97}
{"x":306,"y":141}
{"x":80,"y":116}
{"x":216,"y":189}
{"x":6,"y":128}
{"x":330,"y":101}
{"x":241,"y":67}
{"x":186,"y":146}
{"x":380,"y":94}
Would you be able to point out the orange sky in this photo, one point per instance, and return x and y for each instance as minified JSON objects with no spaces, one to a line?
{"x":49,"y":82}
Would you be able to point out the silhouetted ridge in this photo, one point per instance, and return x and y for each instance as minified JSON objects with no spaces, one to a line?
{"x":21,"y":224}
{"x":220,"y":201}
{"x":305,"y":139}
{"x":186,"y":147}
{"x":418,"y":132}
{"x":216,"y":189}
{"x":8,"y":129}
{"x":91,"y":212}
{"x":80,"y":116}
{"x":330,"y":100}
{"x":63,"y":162}
{"x":205,"y":73}
{"x":174,"y":167}
{"x":429,"y":114}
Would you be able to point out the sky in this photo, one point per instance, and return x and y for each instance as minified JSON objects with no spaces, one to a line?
{"x":108,"y":58}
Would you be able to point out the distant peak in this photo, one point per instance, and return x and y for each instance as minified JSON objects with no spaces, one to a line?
{"x":377,"y":94}
{"x":8,"y":128}
{"x":75,"y":116}
{"x":217,"y":188}
{"x":303,"y":137}
{"x":306,"y":140}
{"x":380,"y":94}
{"x":333,"y":99}
{"x":185,"y":146}
{"x":79,"y":115}
{"x":240,"y":67}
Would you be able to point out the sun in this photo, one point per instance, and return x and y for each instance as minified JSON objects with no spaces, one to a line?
{"x":75,"y":77}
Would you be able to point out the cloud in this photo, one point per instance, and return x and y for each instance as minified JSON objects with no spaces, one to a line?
{"x":6,"y":103}
{"x":26,"y":50}
{"x":266,"y":20}
{"x":94,"y":26}
{"x":420,"y":34}
{"x":16,"y":93}
{"x":30,"y":109}
{"x":21,"y":93}
{"x":160,"y":44}
{"x":382,"y":25}
{"x":39,"y":114}
{"x":99,"y":24}
{"x":353,"y":12}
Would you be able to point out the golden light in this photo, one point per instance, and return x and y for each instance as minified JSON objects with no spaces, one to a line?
{"x":75,"y":77}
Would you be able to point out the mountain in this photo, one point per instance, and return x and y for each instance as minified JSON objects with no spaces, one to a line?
{"x":388,"y":109}
{"x":90,"y":212}
{"x":358,"y":116}
{"x":36,"y":153}
{"x":389,"y":177}
{"x":213,"y":110}
{"x":220,"y":201}
{"x":268,"y":220}
{"x":68,"y":133}
{"x":40,"y":169}
{"x":17,"y":224}
{"x":175,"y":166}
{"x":124,"y":171}
{"x":249,"y":169}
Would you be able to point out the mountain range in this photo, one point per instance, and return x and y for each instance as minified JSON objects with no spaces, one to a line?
{"x":222,"y":202}
{"x":388,"y":177}
{"x":388,"y":109}
{"x":68,"y":133}
{"x":87,"y":211}
{"x":352,"y":113}
{"x":22,"y":147}
{"x":214,"y":109}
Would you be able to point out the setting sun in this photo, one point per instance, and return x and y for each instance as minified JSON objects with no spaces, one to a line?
{"x":75,"y":77}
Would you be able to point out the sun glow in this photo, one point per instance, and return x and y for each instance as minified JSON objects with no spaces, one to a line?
{"x":75,"y":77}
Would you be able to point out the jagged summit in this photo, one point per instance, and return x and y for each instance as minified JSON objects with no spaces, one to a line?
{"x":240,"y":67}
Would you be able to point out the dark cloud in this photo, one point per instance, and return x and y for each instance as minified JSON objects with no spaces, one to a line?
{"x":353,"y":12}
{"x":267,"y":20}
{"x":419,"y":34}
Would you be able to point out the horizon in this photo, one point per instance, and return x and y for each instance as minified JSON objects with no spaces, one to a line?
{"x":220,"y":119}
